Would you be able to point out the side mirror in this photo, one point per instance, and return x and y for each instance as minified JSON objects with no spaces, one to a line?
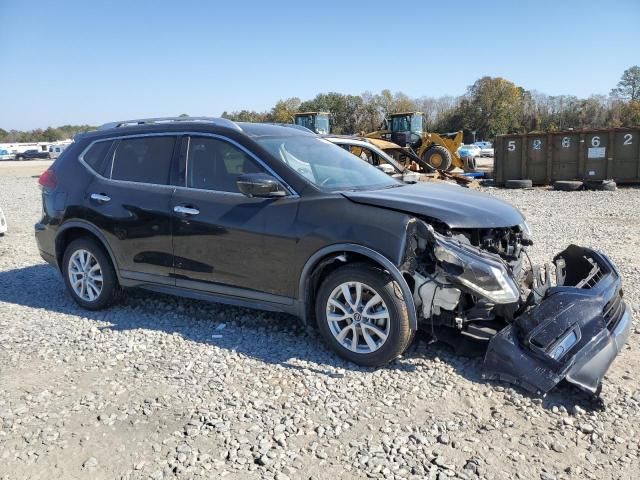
{"x":260,"y":185}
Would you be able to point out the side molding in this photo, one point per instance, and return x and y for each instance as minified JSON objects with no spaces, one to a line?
{"x":367,"y":252}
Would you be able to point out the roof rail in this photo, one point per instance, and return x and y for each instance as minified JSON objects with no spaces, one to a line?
{"x":221,"y":122}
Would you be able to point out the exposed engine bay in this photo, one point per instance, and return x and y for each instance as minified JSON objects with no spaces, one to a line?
{"x":481,"y":283}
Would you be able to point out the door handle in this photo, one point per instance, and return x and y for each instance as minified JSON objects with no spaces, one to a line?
{"x":186,"y":210}
{"x":99,"y":197}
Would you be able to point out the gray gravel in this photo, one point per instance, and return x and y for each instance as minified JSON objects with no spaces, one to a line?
{"x":159,"y":387}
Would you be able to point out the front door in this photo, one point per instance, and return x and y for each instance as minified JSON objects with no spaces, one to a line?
{"x":225,"y":242}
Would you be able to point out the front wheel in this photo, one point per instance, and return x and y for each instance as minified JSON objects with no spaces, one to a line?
{"x":89,"y":274}
{"x":438,"y":157}
{"x":362,"y":315}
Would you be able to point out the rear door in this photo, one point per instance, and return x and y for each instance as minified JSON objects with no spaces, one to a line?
{"x":130,"y":201}
{"x":225,"y":242}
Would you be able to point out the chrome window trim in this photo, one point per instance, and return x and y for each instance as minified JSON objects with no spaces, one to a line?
{"x":292,"y":192}
{"x":220,"y":192}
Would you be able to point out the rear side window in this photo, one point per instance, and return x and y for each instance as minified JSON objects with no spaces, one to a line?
{"x":95,"y":157}
{"x":214,"y":164}
{"x":143,"y":160}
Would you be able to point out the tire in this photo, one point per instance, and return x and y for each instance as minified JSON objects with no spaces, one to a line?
{"x":603,"y":185}
{"x":524,"y":183}
{"x":438,"y":157}
{"x":395,"y":326}
{"x":567,"y":185}
{"x":109,"y":288}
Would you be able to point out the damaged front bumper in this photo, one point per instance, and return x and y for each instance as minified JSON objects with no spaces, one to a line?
{"x":573,"y":333}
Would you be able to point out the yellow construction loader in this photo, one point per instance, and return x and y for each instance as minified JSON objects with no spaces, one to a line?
{"x":406,"y":129}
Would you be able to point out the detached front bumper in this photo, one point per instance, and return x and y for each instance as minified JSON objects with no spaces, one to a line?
{"x":574,"y":333}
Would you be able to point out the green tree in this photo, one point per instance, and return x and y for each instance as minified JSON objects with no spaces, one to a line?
{"x":247,"y":116}
{"x":52,"y":135}
{"x":630,"y":114}
{"x":628,"y":87}
{"x":284,"y":110}
{"x":492,"y":106}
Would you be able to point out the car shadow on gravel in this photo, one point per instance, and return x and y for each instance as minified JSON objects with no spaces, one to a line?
{"x":265,"y":336}
{"x":274,"y":338}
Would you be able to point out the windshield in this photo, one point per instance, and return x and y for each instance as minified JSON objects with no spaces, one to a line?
{"x":326,"y":165}
{"x":322,"y":124}
{"x":401,"y":124}
{"x":416,"y":123}
{"x":304,"y":121}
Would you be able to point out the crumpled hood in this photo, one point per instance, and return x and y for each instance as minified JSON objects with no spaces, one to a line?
{"x":456,"y":206}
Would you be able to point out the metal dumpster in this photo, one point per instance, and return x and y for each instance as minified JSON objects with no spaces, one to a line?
{"x":569,"y":155}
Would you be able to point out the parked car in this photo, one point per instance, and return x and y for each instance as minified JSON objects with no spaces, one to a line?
{"x":486,"y":148}
{"x":6,"y":155}
{"x":3,"y":223}
{"x":376,"y":157}
{"x":32,"y":154}
{"x":468,"y":154}
{"x":486,"y":152}
{"x":276,"y":218}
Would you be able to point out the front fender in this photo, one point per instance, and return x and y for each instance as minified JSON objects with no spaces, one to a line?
{"x":378,"y":258}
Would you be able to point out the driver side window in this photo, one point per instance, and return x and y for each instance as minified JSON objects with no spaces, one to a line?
{"x":214,"y":164}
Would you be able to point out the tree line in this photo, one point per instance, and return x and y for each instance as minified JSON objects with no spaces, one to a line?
{"x":491,"y":106}
{"x":49,"y":134}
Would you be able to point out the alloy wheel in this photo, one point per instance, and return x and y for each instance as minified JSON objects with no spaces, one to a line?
{"x":358,"y":317}
{"x":85,"y":275}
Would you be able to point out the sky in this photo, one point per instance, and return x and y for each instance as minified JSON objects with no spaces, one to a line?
{"x":90,"y":62}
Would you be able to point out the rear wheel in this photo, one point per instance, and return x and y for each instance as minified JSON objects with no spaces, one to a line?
{"x":438,"y":157}
{"x":362,"y":315}
{"x":89,"y":274}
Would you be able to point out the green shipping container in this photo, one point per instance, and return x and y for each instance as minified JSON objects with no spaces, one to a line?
{"x":569,"y":155}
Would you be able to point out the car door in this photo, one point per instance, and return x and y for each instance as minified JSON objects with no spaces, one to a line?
{"x":130,"y":201}
{"x":224,"y":242}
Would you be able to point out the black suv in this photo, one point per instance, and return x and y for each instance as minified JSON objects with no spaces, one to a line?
{"x":277,"y":218}
{"x":31,"y":154}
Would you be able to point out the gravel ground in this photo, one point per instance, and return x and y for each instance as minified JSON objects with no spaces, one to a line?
{"x":159,"y":387}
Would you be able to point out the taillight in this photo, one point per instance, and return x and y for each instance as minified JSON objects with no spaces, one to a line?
{"x":48,"y":179}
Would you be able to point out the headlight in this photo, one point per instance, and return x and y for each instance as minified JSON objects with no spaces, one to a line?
{"x":478,"y":271}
